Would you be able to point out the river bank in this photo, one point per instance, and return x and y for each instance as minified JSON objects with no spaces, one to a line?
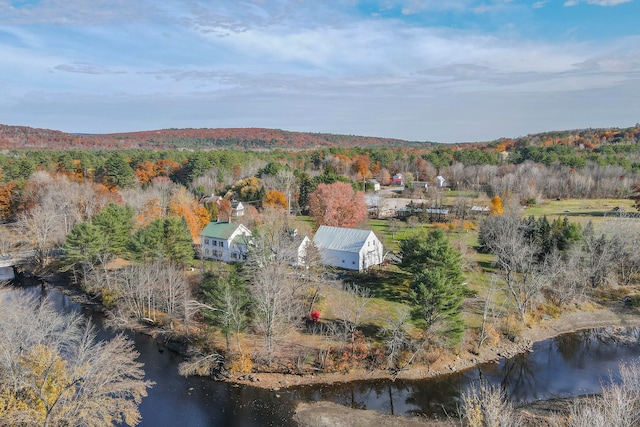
{"x":614,"y":314}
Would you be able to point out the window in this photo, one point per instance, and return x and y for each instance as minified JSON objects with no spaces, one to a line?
{"x":234,"y":255}
{"x":206,"y":241}
{"x":222,"y":244}
{"x":214,"y":242}
{"x":353,"y":262}
{"x":343,"y":261}
{"x":207,"y":252}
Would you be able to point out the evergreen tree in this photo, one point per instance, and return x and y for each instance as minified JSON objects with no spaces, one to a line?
{"x":420,"y":253}
{"x":437,"y":288}
{"x":116,"y":223}
{"x":117,"y":172}
{"x":436,"y":301}
{"x":85,"y":245}
{"x":229,"y":298}
{"x":177,"y":240}
{"x":146,"y":243}
{"x":168,"y":238}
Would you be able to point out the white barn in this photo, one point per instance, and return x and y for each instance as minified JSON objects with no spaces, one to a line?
{"x":348,"y":248}
{"x":225,"y":241}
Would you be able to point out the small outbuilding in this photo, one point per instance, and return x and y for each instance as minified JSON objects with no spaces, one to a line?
{"x":348,"y":248}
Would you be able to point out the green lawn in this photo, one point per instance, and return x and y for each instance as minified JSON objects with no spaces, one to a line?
{"x":389,"y":285}
{"x":581,"y":210}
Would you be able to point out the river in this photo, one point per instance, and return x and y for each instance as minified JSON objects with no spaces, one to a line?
{"x":569,"y":365}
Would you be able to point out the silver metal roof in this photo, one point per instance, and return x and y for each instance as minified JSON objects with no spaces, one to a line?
{"x":341,"y":239}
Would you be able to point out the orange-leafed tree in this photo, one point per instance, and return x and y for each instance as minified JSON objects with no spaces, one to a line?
{"x":276,"y":198}
{"x":360,"y":166}
{"x":167,"y":167}
{"x":224,"y":210}
{"x":337,"y":205}
{"x":146,"y":171}
{"x":183,"y":204}
{"x":496,"y":206}
{"x":149,"y":212}
{"x":7,"y":196}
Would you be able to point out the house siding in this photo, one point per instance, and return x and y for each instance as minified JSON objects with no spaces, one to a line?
{"x":226,"y":249}
{"x":348,"y":248}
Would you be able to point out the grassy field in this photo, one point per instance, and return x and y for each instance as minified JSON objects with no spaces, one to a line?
{"x":582,"y":210}
{"x":389,"y":285}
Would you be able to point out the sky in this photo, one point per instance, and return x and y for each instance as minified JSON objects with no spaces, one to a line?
{"x":420,"y":70}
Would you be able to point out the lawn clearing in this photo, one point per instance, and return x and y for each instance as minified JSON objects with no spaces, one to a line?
{"x":582,"y":210}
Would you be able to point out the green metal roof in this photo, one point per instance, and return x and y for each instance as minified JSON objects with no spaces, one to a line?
{"x":219,"y":230}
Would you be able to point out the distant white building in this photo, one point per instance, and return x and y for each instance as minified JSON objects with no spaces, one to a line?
{"x":225,"y":241}
{"x":297,"y":252}
{"x":237,"y":209}
{"x":375,"y":184}
{"x":441,"y":182}
{"x":348,"y":248}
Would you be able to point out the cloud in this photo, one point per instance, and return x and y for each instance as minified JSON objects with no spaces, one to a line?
{"x":597,"y":2}
{"x":85,"y":68}
{"x":78,"y":12}
{"x":540,"y":4}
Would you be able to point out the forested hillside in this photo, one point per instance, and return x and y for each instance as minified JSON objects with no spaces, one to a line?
{"x":584,"y":140}
{"x":16,"y":137}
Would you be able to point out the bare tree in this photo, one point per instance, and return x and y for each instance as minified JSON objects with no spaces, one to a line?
{"x":599,"y":251}
{"x":8,"y":239}
{"x":396,"y":337}
{"x":54,"y":372}
{"x":517,"y":258}
{"x":486,"y":405}
{"x":625,"y":236}
{"x":145,"y":291}
{"x":42,"y":228}
{"x":276,"y":290}
{"x":351,"y":309}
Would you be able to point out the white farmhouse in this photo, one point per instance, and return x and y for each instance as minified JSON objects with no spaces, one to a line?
{"x":348,"y":248}
{"x":225,"y":241}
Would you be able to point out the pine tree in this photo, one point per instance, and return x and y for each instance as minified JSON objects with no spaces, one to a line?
{"x":167,"y":238}
{"x":116,"y":223}
{"x":436,"y":301}
{"x":437,"y":288}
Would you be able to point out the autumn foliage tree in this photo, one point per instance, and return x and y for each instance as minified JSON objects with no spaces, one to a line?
{"x":275,"y":199}
{"x":496,"y":206}
{"x":182,"y":204}
{"x":337,"y":205}
{"x":54,"y":372}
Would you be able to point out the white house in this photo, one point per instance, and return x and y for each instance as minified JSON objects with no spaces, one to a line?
{"x":237,"y":209}
{"x":375,"y":184}
{"x":225,"y":241}
{"x":297,"y":252}
{"x":348,"y":248}
{"x":441,"y":181}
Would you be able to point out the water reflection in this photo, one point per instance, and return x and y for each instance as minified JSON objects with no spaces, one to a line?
{"x":565,"y":366}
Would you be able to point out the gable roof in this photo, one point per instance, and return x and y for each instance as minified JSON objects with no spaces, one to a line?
{"x":341,"y":239}
{"x":220,"y":230}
